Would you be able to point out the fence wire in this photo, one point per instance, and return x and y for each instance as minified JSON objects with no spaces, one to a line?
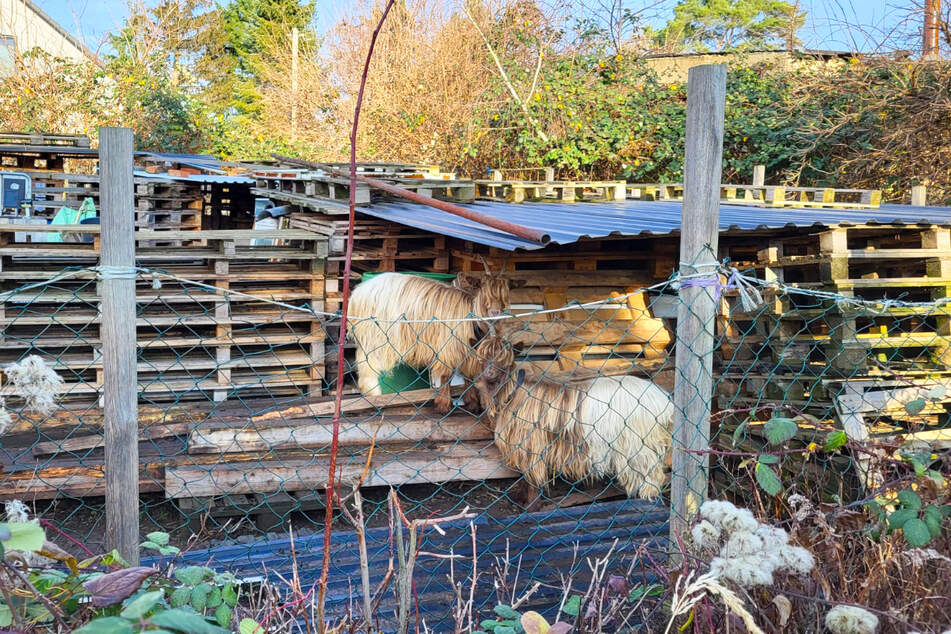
{"x":555,"y":454}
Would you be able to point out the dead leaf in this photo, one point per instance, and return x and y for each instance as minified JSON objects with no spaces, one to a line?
{"x":785,"y":608}
{"x":534,"y":623}
{"x":560,"y":628}
{"x":113,"y":587}
{"x":52,"y":551}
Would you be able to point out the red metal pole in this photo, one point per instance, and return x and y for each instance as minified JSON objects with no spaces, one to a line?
{"x":457,"y":210}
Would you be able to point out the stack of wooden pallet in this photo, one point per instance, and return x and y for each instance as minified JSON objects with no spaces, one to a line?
{"x":853,"y":365}
{"x":518,"y":191}
{"x":194,"y":341}
{"x":47,"y":159}
{"x":613,"y":337}
{"x":168,"y":205}
{"x":258,"y":456}
{"x":768,"y":195}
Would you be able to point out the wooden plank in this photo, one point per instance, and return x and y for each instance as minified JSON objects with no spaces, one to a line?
{"x":361,"y":403}
{"x":84,"y":443}
{"x":472,"y":461}
{"x":308,"y":434}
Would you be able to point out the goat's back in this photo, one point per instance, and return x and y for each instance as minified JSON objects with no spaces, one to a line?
{"x":392,"y":296}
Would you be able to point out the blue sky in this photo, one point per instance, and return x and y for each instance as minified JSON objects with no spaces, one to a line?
{"x":832,"y":24}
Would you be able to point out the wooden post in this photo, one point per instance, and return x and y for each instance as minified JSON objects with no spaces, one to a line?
{"x":759,"y":175}
{"x":295,"y":53}
{"x":919,"y":195}
{"x":693,"y":386}
{"x":118,"y":342}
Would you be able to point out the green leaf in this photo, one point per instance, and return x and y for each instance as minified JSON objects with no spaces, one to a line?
{"x":6,"y":616}
{"x":489,"y":624}
{"x":158,"y":537}
{"x":200,"y":596}
{"x":932,"y":518}
{"x":645,"y":590}
{"x":909,"y":499}
{"x":916,"y":406}
{"x":898,"y":518}
{"x":739,"y":432}
{"x":192,"y":575}
{"x":189,"y":622}
{"x":140,"y":606}
{"x":835,"y":440}
{"x":150,"y":546}
{"x":506,"y":612}
{"x":229,"y":596}
{"x":778,"y":430}
{"x":214,"y":598}
{"x":170,"y":550}
{"x":180,"y":597}
{"x":916,"y":533}
{"x":106,"y":625}
{"x":573,"y":605}
{"x":505,"y":629}
{"x":768,"y":480}
{"x":24,"y":536}
{"x":876,"y":509}
{"x":250,"y":626}
{"x":919,"y":467}
{"x":768,"y":458}
{"x":223,"y":615}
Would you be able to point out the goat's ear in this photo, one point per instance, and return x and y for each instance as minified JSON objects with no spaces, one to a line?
{"x":519,"y":378}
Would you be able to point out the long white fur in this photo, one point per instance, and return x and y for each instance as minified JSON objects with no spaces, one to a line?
{"x":627,"y":424}
{"x":409,"y":319}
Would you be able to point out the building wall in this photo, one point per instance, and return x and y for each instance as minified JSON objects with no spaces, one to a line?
{"x":31,"y":28}
{"x":673,"y":68}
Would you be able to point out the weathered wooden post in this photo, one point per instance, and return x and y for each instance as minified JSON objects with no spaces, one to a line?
{"x":759,"y":175}
{"x":117,"y":271}
{"x":693,"y":387}
{"x":919,"y":195}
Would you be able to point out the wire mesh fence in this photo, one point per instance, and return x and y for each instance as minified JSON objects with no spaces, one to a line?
{"x":475,"y":438}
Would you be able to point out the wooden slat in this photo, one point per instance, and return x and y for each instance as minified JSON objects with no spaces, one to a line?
{"x":443,"y":463}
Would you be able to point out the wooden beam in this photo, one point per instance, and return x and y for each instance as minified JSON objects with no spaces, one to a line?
{"x":693,"y":387}
{"x":118,"y":343}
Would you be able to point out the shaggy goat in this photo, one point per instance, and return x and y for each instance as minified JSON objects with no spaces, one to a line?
{"x":612,"y":426}
{"x":423,"y":323}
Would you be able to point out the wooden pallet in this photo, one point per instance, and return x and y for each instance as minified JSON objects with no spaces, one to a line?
{"x":768,"y":195}
{"x":563,"y":191}
{"x":190,"y":338}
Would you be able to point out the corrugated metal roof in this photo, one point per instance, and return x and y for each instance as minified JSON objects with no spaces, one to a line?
{"x":569,"y":222}
{"x":546,"y":544}
{"x":223,"y":179}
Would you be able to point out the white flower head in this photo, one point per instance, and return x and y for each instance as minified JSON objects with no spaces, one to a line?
{"x":5,"y":420}
{"x":36,"y":382}
{"x":16,"y":511}
{"x":741,"y":543}
{"x":746,"y":572}
{"x":797,"y":559}
{"x":847,"y":619}
{"x":705,"y":535}
{"x":727,"y":517}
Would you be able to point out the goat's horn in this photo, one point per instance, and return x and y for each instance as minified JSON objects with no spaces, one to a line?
{"x":485,"y":264}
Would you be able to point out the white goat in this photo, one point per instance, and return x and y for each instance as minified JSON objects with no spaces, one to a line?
{"x":616,"y":427}
{"x":423,"y":323}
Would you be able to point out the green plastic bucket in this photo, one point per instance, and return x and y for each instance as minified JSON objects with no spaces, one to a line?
{"x":442,"y":277}
{"x":404,"y":378}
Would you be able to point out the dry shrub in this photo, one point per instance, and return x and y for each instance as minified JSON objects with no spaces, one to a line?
{"x":879,"y":123}
{"x":427,"y":78}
